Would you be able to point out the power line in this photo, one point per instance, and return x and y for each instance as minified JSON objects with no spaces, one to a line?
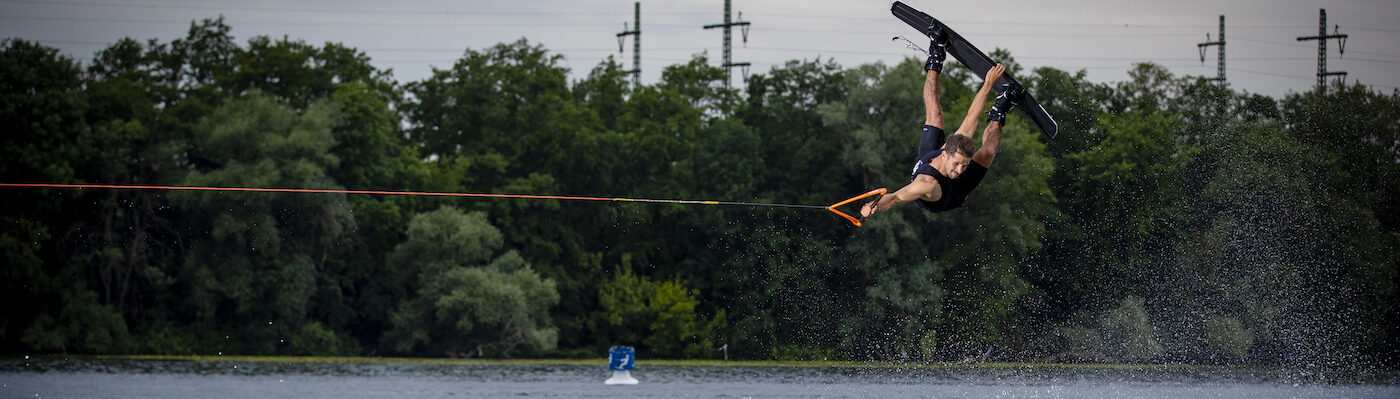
{"x":313,"y":10}
{"x":977,"y":34}
{"x":1271,"y":74}
{"x":773,"y":49}
{"x":291,"y":23}
{"x":442,"y":12}
{"x":966,"y":22}
{"x":791,"y":50}
{"x":1304,"y":46}
{"x":469,"y":25}
{"x":1281,"y":44}
{"x":1374,"y":29}
{"x":530,"y":13}
{"x":1299,"y":77}
{"x":1126,"y":25}
{"x":1371,"y":60}
{"x":507,"y":23}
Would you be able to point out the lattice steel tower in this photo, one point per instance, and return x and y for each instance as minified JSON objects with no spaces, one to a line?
{"x":729,"y":63}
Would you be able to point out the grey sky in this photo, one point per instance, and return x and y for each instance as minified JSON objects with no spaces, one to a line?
{"x":1101,"y":37}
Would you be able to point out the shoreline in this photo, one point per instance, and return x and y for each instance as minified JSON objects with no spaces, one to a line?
{"x":603,"y":361}
{"x":1043,"y":372}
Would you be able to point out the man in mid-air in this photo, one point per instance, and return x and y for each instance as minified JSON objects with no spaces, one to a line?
{"x":946,"y":172}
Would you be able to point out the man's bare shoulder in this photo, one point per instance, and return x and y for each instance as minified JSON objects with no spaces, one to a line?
{"x":925,"y":187}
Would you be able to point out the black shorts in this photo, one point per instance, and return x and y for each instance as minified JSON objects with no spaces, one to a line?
{"x":930,"y":146}
{"x":932,"y":139}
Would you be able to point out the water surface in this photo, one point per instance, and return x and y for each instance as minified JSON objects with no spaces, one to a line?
{"x":123,"y":378}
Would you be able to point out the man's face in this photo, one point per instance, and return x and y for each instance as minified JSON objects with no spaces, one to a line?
{"x":956,"y":164}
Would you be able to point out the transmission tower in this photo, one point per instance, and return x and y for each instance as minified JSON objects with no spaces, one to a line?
{"x":636,"y":32}
{"x":1219,"y":59}
{"x":1321,"y":39}
{"x":729,"y":63}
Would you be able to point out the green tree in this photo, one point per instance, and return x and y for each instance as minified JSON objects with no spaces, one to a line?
{"x":315,"y":340}
{"x":1352,"y":167}
{"x":1075,"y":103}
{"x":509,"y":99}
{"x":80,"y":325}
{"x":1124,"y":206}
{"x":500,"y":120}
{"x":134,"y":140}
{"x":353,"y":289}
{"x":301,"y":73}
{"x":44,"y":105}
{"x":1122,"y":333}
{"x":257,"y":258}
{"x":193,"y":64}
{"x":782,"y":108}
{"x":989,"y":247}
{"x":49,"y":303}
{"x":604,"y":93}
{"x":659,"y":317}
{"x":1251,"y":242}
{"x":908,"y":299}
{"x":466,"y":296}
{"x":1229,"y":339}
{"x":1127,"y":334}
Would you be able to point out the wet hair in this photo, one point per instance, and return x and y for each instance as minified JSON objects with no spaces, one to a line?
{"x":959,"y":144}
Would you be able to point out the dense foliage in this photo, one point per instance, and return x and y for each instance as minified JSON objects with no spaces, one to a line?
{"x":1172,"y":220}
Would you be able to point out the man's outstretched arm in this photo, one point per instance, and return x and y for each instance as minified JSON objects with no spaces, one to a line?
{"x":909,"y":193}
{"x":974,"y":113}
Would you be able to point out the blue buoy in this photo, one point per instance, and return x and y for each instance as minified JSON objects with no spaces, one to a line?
{"x":621,"y":360}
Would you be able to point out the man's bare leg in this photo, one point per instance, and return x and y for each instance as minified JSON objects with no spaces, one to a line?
{"x":933,"y":112}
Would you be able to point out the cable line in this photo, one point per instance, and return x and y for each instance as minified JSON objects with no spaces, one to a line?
{"x":831,"y":208}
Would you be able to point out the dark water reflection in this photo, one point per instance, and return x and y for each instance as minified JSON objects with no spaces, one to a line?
{"x":120,"y":378}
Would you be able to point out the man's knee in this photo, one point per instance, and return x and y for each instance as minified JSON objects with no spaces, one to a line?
{"x":935,"y":118}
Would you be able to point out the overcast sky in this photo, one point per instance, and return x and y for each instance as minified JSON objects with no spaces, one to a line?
{"x":1103,"y":38}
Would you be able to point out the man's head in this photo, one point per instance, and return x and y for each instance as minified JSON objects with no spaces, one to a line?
{"x":957,"y":153}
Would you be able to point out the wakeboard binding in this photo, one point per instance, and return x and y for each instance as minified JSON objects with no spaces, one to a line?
{"x":938,"y":41}
{"x":1008,"y":97}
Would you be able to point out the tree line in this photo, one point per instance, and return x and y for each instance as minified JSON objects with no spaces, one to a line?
{"x":1172,"y":220}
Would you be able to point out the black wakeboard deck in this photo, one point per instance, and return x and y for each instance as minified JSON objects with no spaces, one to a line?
{"x":977,"y":61}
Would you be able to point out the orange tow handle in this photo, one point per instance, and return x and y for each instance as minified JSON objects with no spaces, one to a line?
{"x":855,"y":221}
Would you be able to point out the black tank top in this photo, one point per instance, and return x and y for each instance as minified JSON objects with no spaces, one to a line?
{"x":955,"y":191}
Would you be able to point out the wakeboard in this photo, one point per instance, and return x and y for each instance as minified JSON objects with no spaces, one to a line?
{"x":977,"y":61}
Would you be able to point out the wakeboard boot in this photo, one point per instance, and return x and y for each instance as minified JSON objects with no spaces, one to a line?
{"x":938,"y":40}
{"x":1008,"y":97}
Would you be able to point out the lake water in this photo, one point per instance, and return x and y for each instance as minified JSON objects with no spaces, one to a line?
{"x":105,"y":378}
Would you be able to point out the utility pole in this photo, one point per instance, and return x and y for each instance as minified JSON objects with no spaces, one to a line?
{"x":729,"y":63}
{"x":1219,"y":59}
{"x":1321,"y":39}
{"x":636,"y":43}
